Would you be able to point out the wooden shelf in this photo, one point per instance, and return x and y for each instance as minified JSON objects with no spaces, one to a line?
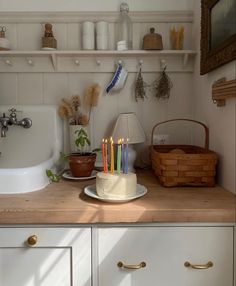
{"x":95,"y":61}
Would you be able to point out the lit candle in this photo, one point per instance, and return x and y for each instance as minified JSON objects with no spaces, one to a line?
{"x":127,"y":157}
{"x":103,"y":154}
{"x":106,"y":164}
{"x":112,"y":155}
{"x":123,"y":155}
{"x":118,"y":156}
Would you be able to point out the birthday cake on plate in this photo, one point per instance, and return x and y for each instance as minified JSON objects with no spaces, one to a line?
{"x":116,"y":185}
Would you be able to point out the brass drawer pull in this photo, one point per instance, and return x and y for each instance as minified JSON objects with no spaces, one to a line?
{"x":120,"y":264}
{"x":32,"y":240}
{"x":199,"y":266}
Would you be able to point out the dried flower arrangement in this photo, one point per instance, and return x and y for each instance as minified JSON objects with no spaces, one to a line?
{"x":70,"y":109}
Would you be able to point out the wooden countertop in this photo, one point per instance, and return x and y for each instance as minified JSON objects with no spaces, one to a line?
{"x":65,"y":202}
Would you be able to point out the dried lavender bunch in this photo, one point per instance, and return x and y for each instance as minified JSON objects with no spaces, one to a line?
{"x":163,"y":85}
{"x":140,"y":86}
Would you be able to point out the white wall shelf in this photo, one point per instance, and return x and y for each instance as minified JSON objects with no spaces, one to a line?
{"x":95,"y":61}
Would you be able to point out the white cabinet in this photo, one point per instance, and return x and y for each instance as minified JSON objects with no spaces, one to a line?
{"x":57,"y":256}
{"x":61,"y":256}
{"x":165,"y":250}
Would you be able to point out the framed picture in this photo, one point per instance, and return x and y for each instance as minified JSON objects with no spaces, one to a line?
{"x":218,"y":33}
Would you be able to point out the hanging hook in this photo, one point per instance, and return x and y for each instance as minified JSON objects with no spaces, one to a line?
{"x":98,"y":62}
{"x":140,"y":64}
{"x":163,"y":64}
{"x":30,"y":62}
{"x":76,"y":62}
{"x":8,"y":62}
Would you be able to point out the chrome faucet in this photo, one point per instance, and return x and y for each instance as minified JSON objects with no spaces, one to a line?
{"x":6,"y":121}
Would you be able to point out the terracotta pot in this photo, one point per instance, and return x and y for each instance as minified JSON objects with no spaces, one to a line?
{"x":82,"y":165}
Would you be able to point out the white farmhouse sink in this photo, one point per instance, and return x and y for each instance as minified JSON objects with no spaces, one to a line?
{"x":27,"y":153}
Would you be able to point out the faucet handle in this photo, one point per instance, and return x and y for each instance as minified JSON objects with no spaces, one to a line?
{"x":13,"y":111}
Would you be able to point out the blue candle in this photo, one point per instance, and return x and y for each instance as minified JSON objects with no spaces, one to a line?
{"x":118,"y":156}
{"x":123,"y":155}
{"x":127,"y":157}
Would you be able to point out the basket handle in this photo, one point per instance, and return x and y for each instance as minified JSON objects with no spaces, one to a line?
{"x":182,"y":119}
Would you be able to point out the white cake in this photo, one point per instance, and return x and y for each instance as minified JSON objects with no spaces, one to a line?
{"x":117,"y":186}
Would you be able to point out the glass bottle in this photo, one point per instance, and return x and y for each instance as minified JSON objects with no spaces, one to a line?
{"x":125,"y":32}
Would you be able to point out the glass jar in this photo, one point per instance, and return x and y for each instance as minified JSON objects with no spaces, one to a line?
{"x":125,"y":31}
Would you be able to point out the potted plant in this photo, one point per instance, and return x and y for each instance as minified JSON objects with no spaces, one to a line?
{"x":82,"y":162}
{"x":71,"y":109}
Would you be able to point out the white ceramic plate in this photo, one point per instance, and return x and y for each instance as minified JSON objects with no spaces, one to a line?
{"x":68,"y":175}
{"x":91,"y":192}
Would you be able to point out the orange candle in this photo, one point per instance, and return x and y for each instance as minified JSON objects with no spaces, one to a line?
{"x":112,"y":155}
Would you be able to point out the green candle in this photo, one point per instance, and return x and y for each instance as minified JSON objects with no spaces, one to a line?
{"x":118,"y":157}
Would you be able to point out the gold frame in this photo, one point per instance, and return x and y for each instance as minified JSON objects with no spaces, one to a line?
{"x":220,"y":55}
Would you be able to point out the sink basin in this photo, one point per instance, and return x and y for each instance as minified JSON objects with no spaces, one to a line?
{"x":27,"y":153}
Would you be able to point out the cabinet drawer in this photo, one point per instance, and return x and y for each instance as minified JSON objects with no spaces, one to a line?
{"x":45,"y":256}
{"x":165,"y":251}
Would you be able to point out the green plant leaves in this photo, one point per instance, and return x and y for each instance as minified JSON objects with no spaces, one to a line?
{"x":52,"y":176}
{"x":82,"y":139}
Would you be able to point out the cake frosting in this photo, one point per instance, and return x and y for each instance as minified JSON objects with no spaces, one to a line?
{"x":117,"y":186}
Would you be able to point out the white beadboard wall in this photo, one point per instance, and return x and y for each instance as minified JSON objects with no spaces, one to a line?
{"x":94,"y":5}
{"x":50,"y":88}
{"x":220,"y":120}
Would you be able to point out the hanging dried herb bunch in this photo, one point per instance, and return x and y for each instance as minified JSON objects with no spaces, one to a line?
{"x":140,"y":86}
{"x":163,"y":85}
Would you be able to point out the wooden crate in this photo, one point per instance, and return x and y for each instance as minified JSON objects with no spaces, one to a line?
{"x":184,"y":165}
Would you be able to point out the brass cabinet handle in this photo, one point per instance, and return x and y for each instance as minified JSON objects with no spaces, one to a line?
{"x":32,"y":240}
{"x":142,"y":264}
{"x":199,"y":266}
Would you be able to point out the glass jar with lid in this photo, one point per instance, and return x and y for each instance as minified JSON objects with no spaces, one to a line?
{"x":125,"y":29}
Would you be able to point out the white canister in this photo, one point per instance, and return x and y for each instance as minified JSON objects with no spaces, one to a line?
{"x":87,"y":28}
{"x":88,"y":34}
{"x":88,"y":42}
{"x":102,"y":35}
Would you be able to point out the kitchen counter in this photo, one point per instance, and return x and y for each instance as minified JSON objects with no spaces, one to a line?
{"x":65,"y":202}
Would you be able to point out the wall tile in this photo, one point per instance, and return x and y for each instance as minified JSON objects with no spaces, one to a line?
{"x":8,"y":88}
{"x":30,"y":88}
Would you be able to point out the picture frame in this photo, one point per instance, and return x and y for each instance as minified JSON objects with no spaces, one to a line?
{"x":218,"y":34}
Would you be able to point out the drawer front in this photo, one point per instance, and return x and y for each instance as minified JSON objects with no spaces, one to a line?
{"x":165,"y":250}
{"x":45,"y":256}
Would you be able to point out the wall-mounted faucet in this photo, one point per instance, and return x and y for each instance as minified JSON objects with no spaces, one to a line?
{"x":6,"y":121}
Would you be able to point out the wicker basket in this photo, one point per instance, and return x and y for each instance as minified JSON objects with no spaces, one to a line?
{"x":184,"y":165}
